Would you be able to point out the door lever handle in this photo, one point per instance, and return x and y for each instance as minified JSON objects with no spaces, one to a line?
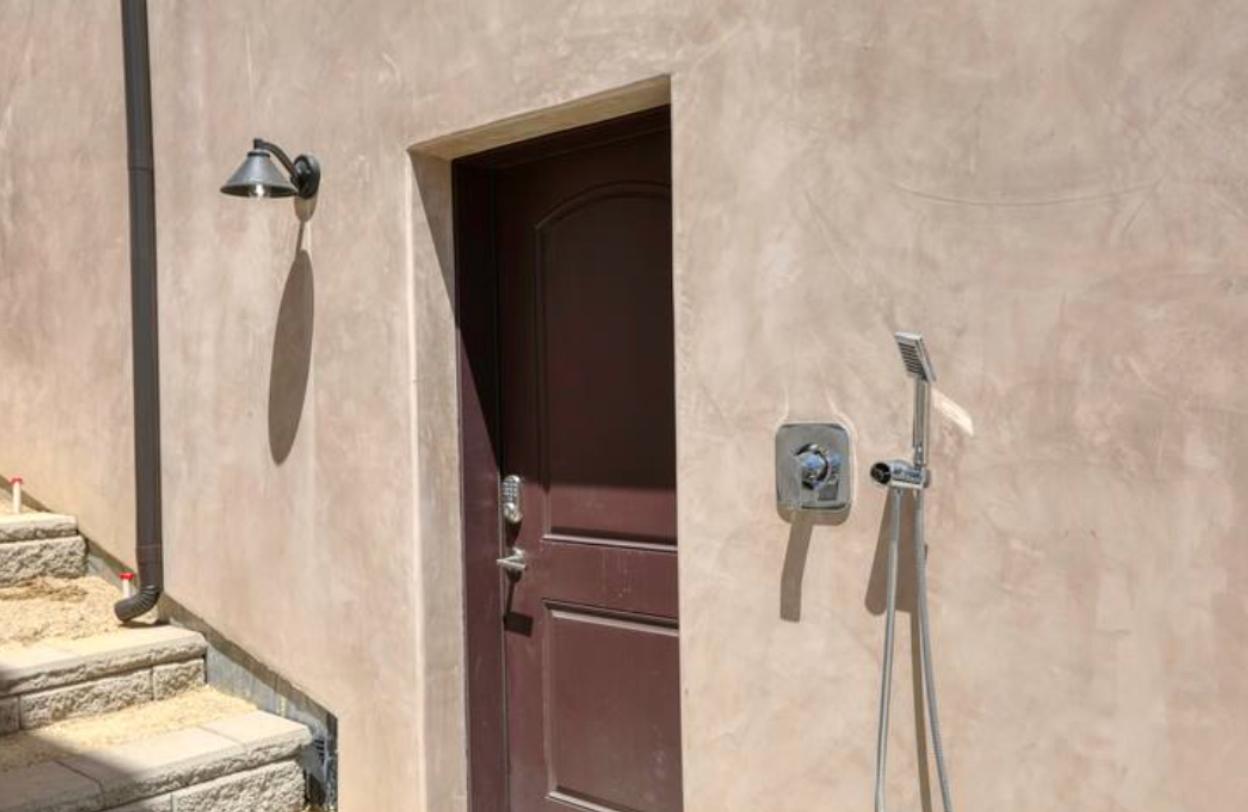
{"x":513,"y":564}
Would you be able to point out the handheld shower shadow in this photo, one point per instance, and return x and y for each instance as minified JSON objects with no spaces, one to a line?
{"x":899,"y":476}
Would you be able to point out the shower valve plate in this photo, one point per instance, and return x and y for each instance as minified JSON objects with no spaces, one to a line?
{"x":796,"y":488}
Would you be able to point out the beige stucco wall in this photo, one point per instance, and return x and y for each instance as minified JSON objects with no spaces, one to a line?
{"x":1054,"y":193}
{"x":65,"y":401}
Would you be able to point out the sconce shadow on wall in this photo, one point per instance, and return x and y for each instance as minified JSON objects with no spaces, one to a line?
{"x":292,"y":356}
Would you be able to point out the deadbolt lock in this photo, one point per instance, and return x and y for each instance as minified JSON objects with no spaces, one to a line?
{"x":510,"y":495}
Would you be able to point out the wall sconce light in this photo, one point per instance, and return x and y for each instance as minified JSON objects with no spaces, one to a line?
{"x":258,"y":177}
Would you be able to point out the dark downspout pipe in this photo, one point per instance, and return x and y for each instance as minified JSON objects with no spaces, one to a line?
{"x":146,"y":373}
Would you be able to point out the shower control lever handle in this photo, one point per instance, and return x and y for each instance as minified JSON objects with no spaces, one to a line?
{"x":814,"y":467}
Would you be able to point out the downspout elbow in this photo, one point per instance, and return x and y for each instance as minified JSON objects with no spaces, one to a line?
{"x":140,"y":603}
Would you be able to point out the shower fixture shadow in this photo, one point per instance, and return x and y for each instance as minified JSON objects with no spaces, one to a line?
{"x":801,"y":529}
{"x":877,"y":583}
{"x":875,"y":603}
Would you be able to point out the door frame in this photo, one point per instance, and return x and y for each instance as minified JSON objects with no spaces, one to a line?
{"x":476,"y":314}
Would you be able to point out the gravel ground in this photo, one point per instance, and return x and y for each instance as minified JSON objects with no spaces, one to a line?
{"x":76,"y":736}
{"x":49,"y":608}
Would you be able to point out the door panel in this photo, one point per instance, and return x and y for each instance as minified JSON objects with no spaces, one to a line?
{"x":608,"y":367}
{"x":600,"y":670}
{"x":587,"y":418}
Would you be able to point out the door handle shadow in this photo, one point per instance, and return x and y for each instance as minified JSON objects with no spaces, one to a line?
{"x":513,"y":621}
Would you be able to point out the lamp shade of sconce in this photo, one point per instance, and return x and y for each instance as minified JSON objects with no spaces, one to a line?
{"x":258,"y":177}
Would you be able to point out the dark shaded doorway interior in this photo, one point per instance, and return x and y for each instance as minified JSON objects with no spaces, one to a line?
{"x":564,"y":303}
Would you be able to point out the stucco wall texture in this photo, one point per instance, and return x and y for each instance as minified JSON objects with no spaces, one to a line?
{"x":1054,"y":193}
{"x":66,"y":415}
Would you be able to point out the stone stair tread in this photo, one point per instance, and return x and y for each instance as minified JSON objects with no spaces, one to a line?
{"x":84,"y":735}
{"x":31,"y":526}
{"x":50,"y":609}
{"x":150,"y":766}
{"x":45,"y":786}
{"x":63,"y":662}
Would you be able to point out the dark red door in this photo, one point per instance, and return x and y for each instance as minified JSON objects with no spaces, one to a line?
{"x":587,"y":419}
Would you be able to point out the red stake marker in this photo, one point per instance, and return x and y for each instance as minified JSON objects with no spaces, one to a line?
{"x":127,"y":584}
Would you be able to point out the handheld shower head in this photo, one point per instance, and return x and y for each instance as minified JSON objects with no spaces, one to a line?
{"x":918,"y":366}
{"x":914,"y":356}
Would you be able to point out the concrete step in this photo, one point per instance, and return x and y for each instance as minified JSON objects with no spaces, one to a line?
{"x":34,"y":545}
{"x":244,"y":762}
{"x":23,"y":561}
{"x":31,"y":526}
{"x":47,"y":682}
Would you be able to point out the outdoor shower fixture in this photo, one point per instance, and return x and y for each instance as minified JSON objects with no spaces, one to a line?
{"x":812,"y":468}
{"x":258,"y":177}
{"x":900,"y":476}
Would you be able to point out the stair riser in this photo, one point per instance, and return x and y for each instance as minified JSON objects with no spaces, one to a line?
{"x":91,"y":698}
{"x":10,"y":715}
{"x":88,"y":699}
{"x":41,"y":667}
{"x":247,"y":762}
{"x":23,"y":561}
{"x":275,"y":788}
